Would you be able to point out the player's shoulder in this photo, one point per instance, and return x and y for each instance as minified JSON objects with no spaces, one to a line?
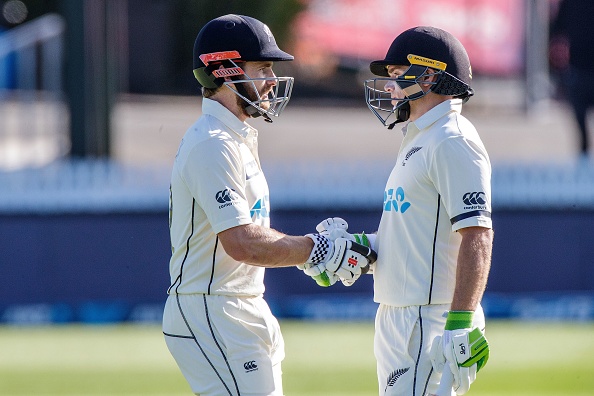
{"x":207,"y":138}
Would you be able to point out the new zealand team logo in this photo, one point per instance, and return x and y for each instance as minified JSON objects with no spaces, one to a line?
{"x":394,"y":200}
{"x":410,"y":153}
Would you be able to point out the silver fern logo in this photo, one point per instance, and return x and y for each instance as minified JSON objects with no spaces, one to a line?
{"x":410,"y":153}
{"x":394,"y":375}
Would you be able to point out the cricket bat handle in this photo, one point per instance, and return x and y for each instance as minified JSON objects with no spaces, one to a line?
{"x":446,"y":383}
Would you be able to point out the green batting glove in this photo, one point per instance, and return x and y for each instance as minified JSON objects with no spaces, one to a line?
{"x":466,"y":349}
{"x":475,"y":349}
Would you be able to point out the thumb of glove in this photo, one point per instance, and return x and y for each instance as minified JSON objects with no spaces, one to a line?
{"x":438,"y":359}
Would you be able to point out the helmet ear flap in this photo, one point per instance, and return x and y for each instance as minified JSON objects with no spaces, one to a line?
{"x":450,"y":86}
{"x":213,"y":74}
{"x":206,"y":78}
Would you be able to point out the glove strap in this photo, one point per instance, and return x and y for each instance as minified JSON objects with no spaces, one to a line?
{"x":459,"y":320}
{"x":321,"y":250}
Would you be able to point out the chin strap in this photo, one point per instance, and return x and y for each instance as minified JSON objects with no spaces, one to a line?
{"x":402,"y":114}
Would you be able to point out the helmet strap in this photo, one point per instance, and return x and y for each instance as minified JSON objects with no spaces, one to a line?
{"x":402,"y":114}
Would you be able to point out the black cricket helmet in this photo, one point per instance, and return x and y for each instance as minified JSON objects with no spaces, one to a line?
{"x":223,"y":44}
{"x":429,"y":51}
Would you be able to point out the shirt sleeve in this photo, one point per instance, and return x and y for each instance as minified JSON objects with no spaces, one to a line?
{"x":215,"y":175}
{"x":461,"y":172}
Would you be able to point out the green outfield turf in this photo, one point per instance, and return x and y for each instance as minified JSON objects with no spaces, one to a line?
{"x":327,"y":359}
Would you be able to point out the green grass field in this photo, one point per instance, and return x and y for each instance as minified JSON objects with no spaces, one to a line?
{"x":327,"y":359}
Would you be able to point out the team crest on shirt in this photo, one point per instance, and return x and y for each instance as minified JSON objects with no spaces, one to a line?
{"x":410,"y":153}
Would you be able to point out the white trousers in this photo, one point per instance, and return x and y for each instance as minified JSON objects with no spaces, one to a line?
{"x":223,"y":345}
{"x":402,"y":345}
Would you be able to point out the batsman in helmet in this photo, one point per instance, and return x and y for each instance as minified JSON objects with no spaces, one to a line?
{"x":216,"y":323}
{"x":435,"y":236}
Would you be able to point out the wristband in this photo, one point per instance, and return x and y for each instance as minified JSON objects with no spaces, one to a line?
{"x":459,"y":320}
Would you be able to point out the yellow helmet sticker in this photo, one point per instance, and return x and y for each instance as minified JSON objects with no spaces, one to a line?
{"x":419,"y":60}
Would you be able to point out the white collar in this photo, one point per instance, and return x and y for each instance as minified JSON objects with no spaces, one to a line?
{"x":215,"y":109}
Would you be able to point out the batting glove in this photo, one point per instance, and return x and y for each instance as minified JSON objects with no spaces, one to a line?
{"x":350,"y":260}
{"x":315,"y":265}
{"x":464,"y":349}
{"x":336,"y":227}
{"x":342,"y":259}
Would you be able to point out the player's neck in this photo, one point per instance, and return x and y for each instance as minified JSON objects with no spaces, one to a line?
{"x":228,"y":99}
{"x":423,"y":105}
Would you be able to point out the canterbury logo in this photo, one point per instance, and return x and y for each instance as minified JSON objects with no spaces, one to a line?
{"x":393,"y":377}
{"x":474,"y":198}
{"x":250,"y":366}
{"x":226,"y":195}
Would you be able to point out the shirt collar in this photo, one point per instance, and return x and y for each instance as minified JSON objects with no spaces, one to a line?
{"x":430,"y":117}
{"x":215,"y":109}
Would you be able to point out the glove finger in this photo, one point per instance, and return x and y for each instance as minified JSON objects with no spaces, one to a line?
{"x":314,"y":270}
{"x":323,"y":225}
{"x":437,"y":357}
{"x":325,"y":279}
{"x":332,"y":222}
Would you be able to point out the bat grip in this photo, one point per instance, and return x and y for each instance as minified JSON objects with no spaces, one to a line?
{"x":446,"y":383}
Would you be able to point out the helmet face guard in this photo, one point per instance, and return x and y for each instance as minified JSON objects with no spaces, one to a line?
{"x":222,"y":65}
{"x":275,"y":102}
{"x":392,"y":106}
{"x":442,"y":56}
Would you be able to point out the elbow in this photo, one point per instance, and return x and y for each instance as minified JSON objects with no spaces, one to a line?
{"x":238,"y":253}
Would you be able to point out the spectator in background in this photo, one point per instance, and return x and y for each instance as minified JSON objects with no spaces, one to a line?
{"x":572,"y":54}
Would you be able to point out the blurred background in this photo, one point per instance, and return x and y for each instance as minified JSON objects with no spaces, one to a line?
{"x":96,"y":95}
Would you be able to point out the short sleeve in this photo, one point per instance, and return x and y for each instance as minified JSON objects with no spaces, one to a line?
{"x":461,"y":172}
{"x":215,"y":175}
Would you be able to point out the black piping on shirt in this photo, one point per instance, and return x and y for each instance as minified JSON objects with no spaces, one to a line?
{"x":466,"y":215}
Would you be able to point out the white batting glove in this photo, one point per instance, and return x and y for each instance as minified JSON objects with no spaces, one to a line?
{"x":342,"y":259}
{"x":350,"y":260}
{"x":315,"y":266}
{"x":465,"y":350}
{"x":336,"y":227}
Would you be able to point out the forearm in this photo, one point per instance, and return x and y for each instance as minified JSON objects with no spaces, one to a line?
{"x":474,"y":262}
{"x":265,"y":247}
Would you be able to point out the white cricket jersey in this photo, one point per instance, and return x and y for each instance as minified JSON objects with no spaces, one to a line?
{"x":441,"y":183}
{"x":216,"y":184}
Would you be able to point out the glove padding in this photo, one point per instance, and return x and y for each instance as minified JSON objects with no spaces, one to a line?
{"x":336,"y":227}
{"x":350,"y":260}
{"x":314,"y":266}
{"x":342,"y":259}
{"x":465,"y":351}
